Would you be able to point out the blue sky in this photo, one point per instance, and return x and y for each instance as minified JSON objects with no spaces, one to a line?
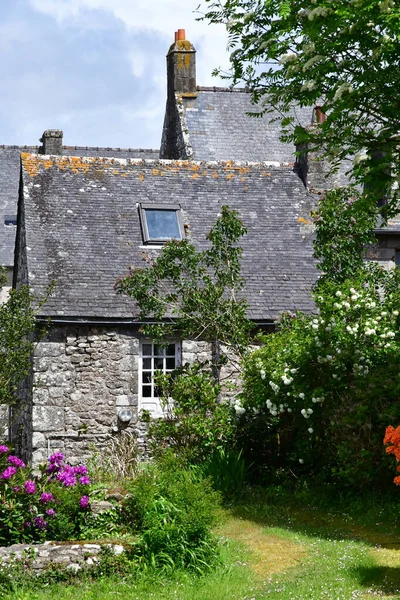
{"x":95,"y":68}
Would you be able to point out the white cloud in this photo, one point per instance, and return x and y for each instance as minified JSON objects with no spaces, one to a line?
{"x":162,"y":17}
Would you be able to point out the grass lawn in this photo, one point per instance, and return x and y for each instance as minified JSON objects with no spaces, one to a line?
{"x":274,"y":550}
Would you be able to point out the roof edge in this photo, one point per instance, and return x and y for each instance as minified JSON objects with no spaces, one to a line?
{"x":155,"y":161}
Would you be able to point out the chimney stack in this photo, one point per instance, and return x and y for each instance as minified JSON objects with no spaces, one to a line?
{"x":313,"y":167}
{"x":52,"y":142}
{"x":181,"y":66}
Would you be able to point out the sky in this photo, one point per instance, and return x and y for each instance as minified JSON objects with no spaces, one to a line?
{"x":95,"y":68}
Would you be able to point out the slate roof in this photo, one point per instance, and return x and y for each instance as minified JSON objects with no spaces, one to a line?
{"x":219,"y":127}
{"x":82,"y":228}
{"x":9,"y":183}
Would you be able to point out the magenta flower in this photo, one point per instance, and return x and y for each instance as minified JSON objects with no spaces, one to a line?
{"x":55,"y":462}
{"x":46,"y":497}
{"x":3,"y":449}
{"x":56,"y":459}
{"x":8,"y":473}
{"x":51,"y":512}
{"x":16,"y":488}
{"x":17,"y":462}
{"x":30,"y":487}
{"x":40,"y":523}
{"x":84,"y":502}
{"x":80,"y":470}
{"x":84,"y":480}
{"x":27,"y":524}
{"x":67,"y":476}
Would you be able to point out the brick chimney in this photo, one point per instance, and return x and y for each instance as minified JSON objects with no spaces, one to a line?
{"x":181,"y":66}
{"x":52,"y":142}
{"x":313,"y":167}
{"x":181,"y":84}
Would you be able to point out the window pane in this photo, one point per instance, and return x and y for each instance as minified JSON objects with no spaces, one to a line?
{"x":159,"y":350}
{"x":146,"y":391}
{"x":147,"y":363}
{"x":171,"y":350}
{"x":170,"y":363}
{"x":158,"y":363}
{"x":162,"y":224}
{"x":147,"y":349}
{"x":146,"y":377}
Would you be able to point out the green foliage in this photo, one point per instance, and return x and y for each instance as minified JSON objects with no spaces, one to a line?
{"x":344,"y":227}
{"x":172,"y":511}
{"x":342,"y":56}
{"x":53,"y":504}
{"x":331,"y":383}
{"x":228,"y":472}
{"x":195,"y":293}
{"x":17,"y":328}
{"x":195,"y":423}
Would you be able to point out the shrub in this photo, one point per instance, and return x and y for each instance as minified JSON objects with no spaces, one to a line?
{"x":172,"y":510}
{"x":330,"y":383}
{"x":196,"y":423}
{"x":52,"y":505}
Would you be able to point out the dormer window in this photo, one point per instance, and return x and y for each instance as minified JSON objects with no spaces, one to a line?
{"x":160,"y":222}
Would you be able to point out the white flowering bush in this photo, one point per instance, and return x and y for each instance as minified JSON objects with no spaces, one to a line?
{"x":332,"y":381}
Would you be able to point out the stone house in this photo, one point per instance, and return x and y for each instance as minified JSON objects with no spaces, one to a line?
{"x":86,"y":215}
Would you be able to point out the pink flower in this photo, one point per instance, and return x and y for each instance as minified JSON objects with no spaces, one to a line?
{"x":17,"y":462}
{"x":84,"y":502}
{"x":30,"y":487}
{"x":8,"y":473}
{"x":84,"y":480}
{"x":46,"y":497}
{"x":3,"y":449}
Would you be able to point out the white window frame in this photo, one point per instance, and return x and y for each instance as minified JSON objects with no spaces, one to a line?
{"x":152,"y":403}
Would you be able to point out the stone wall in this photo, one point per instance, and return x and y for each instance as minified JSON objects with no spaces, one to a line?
{"x":82,"y":377}
{"x":42,"y":556}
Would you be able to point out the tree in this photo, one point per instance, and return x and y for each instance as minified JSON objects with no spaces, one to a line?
{"x":17,"y":327}
{"x":342,"y":56}
{"x":195,"y":293}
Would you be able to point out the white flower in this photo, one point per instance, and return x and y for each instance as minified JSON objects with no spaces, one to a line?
{"x":274,"y":386}
{"x":354,"y":297}
{"x":303,"y":412}
{"x":338,"y":293}
{"x":337,"y":305}
{"x":334,"y":376}
{"x":390,"y":334}
{"x":301,"y":395}
{"x":346,"y":304}
{"x":352,"y":291}
{"x":293,"y":371}
{"x":395,"y":313}
{"x":262,"y":374}
{"x":310,"y":411}
{"x":287,"y":58}
{"x":310,"y":430}
{"x":359,"y":158}
{"x":239,"y":410}
{"x":289,"y":410}
{"x":301,"y":461}
{"x":314,"y":326}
